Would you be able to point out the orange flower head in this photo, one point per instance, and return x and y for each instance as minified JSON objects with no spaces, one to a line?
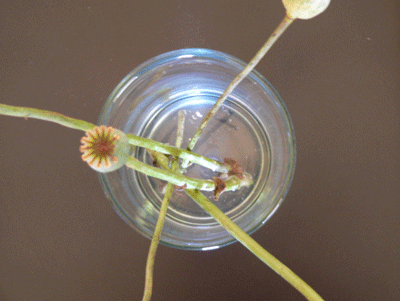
{"x":104,"y":148}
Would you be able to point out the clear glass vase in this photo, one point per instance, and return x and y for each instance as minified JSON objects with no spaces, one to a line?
{"x":252,"y":126}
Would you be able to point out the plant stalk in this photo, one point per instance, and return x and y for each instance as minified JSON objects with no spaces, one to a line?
{"x":248,"y":242}
{"x":253,"y":246}
{"x":250,"y":66}
{"x":45,"y":115}
{"x":178,"y":152}
{"x":134,"y":140}
{"x":148,"y":288}
{"x":176,"y":178}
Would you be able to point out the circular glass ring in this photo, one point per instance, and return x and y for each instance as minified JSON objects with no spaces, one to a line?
{"x":252,"y":127}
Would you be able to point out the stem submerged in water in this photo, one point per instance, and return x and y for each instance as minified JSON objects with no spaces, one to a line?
{"x":246,"y":240}
{"x":176,"y":178}
{"x":161,"y":218}
{"x":178,"y":152}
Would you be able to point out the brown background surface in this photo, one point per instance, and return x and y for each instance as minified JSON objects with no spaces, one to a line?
{"x":338,"y":74}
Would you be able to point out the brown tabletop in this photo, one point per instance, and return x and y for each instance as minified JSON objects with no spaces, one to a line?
{"x":338,"y":74}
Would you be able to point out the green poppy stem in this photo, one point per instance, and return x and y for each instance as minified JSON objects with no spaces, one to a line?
{"x":246,"y":71}
{"x":148,"y":288}
{"x":45,"y":115}
{"x":134,"y":140}
{"x":247,"y":241}
{"x":176,"y":178}
{"x":253,"y":246}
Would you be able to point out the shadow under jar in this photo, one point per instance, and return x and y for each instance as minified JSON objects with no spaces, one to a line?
{"x":252,"y":127}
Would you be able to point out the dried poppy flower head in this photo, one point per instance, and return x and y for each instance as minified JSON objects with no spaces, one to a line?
{"x":304,"y":9}
{"x":104,"y":148}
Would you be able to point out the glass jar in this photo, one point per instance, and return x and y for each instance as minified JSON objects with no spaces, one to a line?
{"x":252,"y":127}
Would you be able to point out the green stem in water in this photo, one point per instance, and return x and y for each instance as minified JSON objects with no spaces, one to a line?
{"x":161,"y":218}
{"x":247,"y":241}
{"x":169,"y":176}
{"x":232,"y":183}
{"x":254,"y":61}
{"x":178,"y":152}
{"x":134,"y":140}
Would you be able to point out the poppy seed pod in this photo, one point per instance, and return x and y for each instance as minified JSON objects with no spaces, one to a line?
{"x":104,"y":148}
{"x":304,"y":9}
